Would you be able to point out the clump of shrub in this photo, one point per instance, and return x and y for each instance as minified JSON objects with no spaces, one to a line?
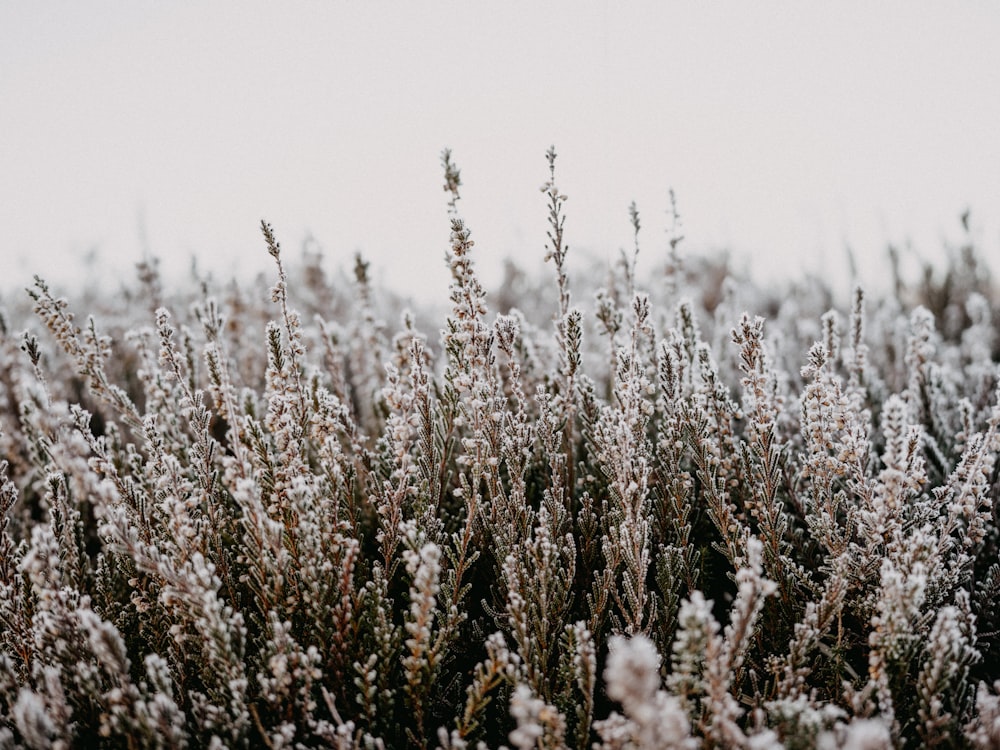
{"x":652,"y":520}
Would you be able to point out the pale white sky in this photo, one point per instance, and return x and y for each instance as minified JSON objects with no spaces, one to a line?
{"x":786,"y":129}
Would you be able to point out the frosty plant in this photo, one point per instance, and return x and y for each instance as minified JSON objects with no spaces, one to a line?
{"x":688,"y":513}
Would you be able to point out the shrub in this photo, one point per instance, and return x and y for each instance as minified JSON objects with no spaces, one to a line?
{"x":659,"y":522}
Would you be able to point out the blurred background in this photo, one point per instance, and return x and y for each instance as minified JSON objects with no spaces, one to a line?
{"x":789,"y":132}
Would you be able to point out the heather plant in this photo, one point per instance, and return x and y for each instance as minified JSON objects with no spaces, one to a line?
{"x":691,"y":512}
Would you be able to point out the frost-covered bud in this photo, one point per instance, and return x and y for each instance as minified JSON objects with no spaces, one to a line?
{"x":32,"y":720}
{"x":860,"y":734}
{"x":633,"y":671}
{"x":525,"y":709}
{"x":654,"y":718}
{"x":535,"y":719}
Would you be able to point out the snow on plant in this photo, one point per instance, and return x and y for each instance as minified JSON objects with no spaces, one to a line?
{"x":694,"y":513}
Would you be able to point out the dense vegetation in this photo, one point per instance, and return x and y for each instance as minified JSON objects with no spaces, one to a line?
{"x":236,"y":518}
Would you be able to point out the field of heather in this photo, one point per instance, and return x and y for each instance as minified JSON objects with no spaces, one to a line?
{"x":651,"y":506}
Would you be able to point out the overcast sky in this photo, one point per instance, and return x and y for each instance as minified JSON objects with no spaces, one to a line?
{"x":787,"y":130}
